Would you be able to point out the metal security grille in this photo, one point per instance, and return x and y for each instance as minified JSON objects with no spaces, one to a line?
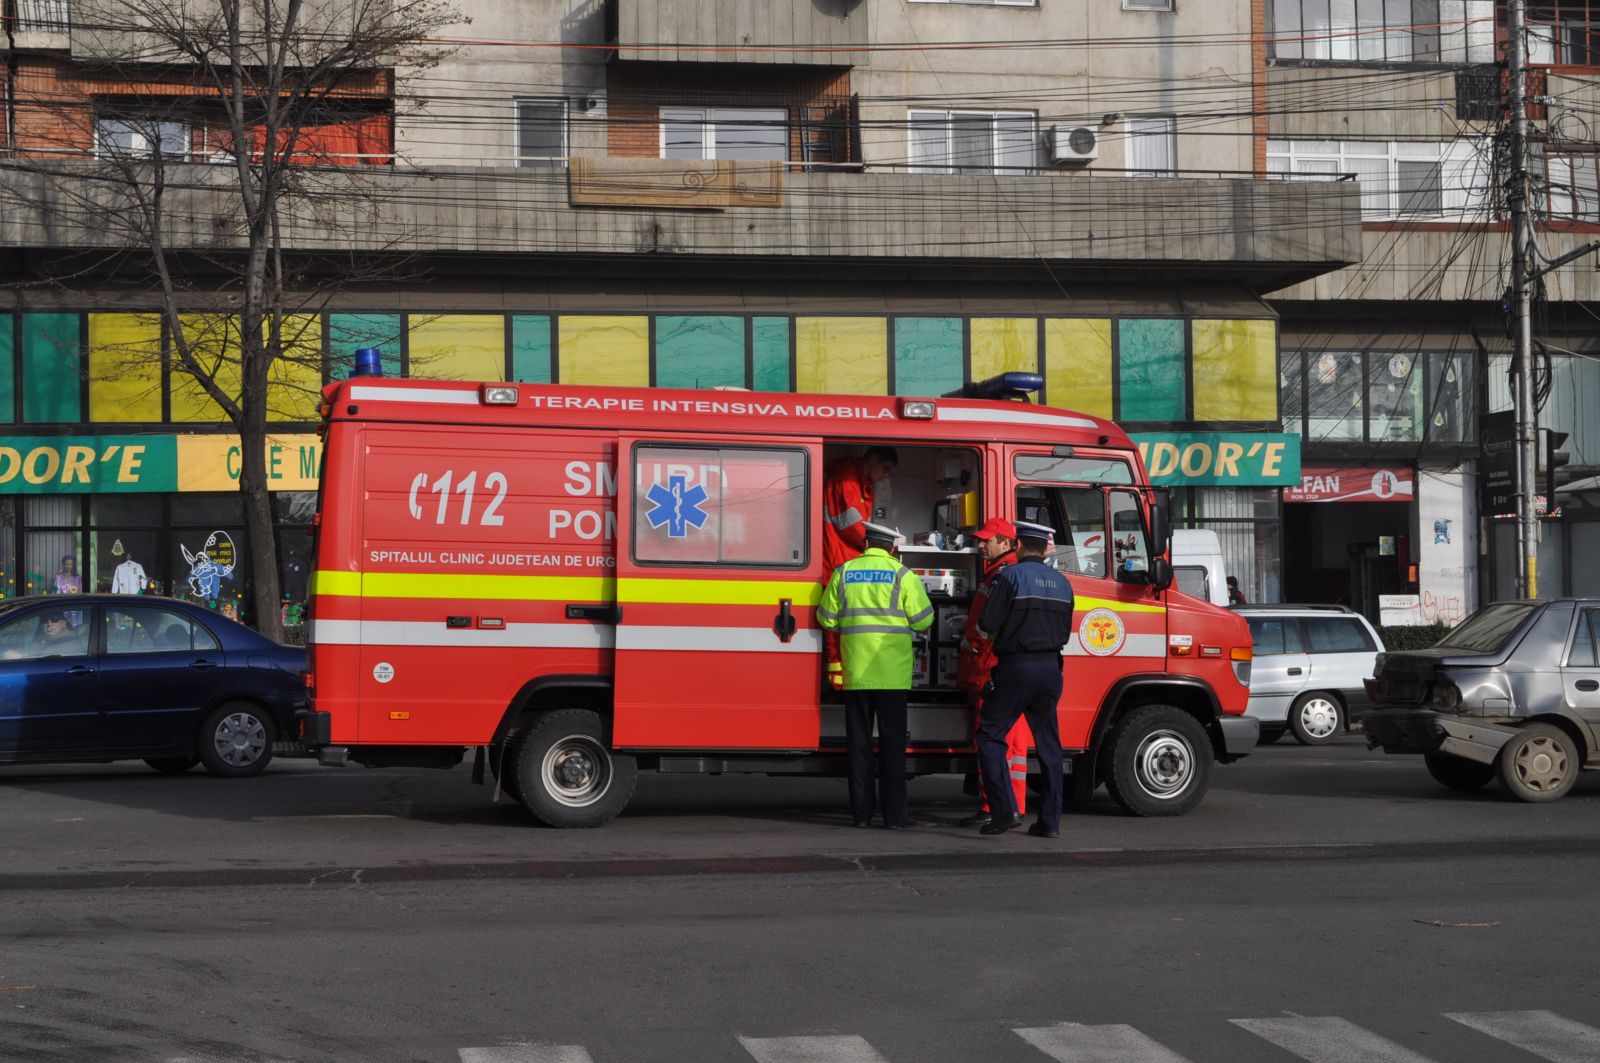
{"x":43,"y":15}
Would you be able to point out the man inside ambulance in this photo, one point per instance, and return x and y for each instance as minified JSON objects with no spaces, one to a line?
{"x":847,"y":504}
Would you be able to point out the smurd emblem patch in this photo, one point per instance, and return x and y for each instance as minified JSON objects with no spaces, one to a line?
{"x":1101,"y":632}
{"x":677,"y":506}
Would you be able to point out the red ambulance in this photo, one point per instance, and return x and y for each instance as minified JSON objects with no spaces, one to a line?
{"x":581,"y":584}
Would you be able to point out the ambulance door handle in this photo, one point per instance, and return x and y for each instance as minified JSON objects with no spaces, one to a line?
{"x":784,"y":624}
{"x":603,"y":614}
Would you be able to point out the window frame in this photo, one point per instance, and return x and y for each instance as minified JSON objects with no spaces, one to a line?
{"x":1307,"y":622}
{"x":708,"y":121}
{"x":982,"y":3}
{"x":565,"y":122}
{"x":1149,"y":5}
{"x":925,"y":118}
{"x":635,"y":497}
{"x":1168,"y":132}
{"x":1461,"y":188}
{"x":136,"y":126}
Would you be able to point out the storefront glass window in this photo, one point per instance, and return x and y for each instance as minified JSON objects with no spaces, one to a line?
{"x":125,"y":560}
{"x":1333,"y":396}
{"x":1395,"y":395}
{"x":1450,"y":392}
{"x":292,"y":512}
{"x":1248,"y":529}
{"x":54,"y":548}
{"x":1291,"y":397}
{"x":1585,"y":544}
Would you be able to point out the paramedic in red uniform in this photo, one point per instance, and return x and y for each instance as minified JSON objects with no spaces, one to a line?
{"x":997,"y":542}
{"x":847,"y":490}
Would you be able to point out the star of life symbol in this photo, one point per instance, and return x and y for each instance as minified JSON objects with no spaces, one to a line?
{"x":677,"y":505}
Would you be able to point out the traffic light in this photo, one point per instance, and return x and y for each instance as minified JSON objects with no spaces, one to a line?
{"x":1554,"y":458}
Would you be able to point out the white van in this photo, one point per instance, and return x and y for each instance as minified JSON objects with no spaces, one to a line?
{"x":1197,"y":568}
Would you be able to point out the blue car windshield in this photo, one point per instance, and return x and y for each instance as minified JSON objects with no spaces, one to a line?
{"x":1486,"y":630}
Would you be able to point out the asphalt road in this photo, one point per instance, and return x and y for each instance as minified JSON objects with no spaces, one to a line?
{"x":1330,"y":905}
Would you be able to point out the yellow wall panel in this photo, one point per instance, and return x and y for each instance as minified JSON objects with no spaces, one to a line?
{"x":841,"y":355}
{"x":604,"y":350}
{"x":124,"y":367}
{"x":1077,"y":360}
{"x":1235,"y":370}
{"x":458,"y":347}
{"x":214,"y":342}
{"x":1004,"y":345}
{"x":294,"y":380}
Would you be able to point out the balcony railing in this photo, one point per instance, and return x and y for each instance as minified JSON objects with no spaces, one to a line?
{"x":44,"y":16}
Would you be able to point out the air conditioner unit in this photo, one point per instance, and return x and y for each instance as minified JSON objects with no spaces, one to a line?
{"x":1074,"y":143}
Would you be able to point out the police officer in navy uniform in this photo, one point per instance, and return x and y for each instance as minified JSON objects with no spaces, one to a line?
{"x":1029,"y":619}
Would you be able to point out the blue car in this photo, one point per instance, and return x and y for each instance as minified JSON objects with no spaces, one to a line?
{"x":102,"y":677}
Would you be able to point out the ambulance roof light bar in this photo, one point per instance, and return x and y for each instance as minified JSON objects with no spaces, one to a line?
{"x":1004,"y":386}
{"x":369,"y":362}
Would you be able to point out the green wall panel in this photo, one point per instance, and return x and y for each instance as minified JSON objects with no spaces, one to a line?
{"x":1150,"y":367}
{"x":51,"y":387}
{"x":530,"y":349}
{"x":347,"y":333}
{"x":699,"y":352}
{"x":928,"y":355}
{"x":770,"y":353}
{"x":8,"y":359}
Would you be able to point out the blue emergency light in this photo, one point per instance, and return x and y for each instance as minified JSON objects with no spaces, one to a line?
{"x":369,"y":362}
{"x":1004,"y":386}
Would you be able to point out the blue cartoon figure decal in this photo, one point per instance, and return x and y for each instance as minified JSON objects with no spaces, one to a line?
{"x":209,"y":566}
{"x":677,"y":506}
{"x":1441,"y":531}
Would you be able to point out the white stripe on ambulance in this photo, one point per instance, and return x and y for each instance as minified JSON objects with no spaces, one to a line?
{"x":560,"y":636}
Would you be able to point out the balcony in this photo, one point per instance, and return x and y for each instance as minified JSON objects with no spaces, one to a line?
{"x":1265,"y":233}
{"x":806,"y":32}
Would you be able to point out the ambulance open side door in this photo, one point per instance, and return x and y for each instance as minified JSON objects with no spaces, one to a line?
{"x":719,"y":572}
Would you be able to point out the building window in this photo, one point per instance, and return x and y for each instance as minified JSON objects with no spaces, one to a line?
{"x":986,"y":3}
{"x":1378,"y":396}
{"x":541,"y":132}
{"x":992,"y":142}
{"x":1389,"y":31}
{"x":43,"y":15}
{"x":1563,"y":33}
{"x":1152,"y":147}
{"x":755,"y":134}
{"x":1399,"y":179}
{"x":1147,"y":5}
{"x":1572,"y":187}
{"x":140,"y":138}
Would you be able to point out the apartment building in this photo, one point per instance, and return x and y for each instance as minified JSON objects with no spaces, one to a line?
{"x":1389,"y":365}
{"x":859,"y":196}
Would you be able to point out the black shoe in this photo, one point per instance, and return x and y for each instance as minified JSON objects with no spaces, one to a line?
{"x":896,"y":826}
{"x":1039,"y":830}
{"x":1000,"y":826}
{"x":861,"y":823}
{"x":977,"y":819}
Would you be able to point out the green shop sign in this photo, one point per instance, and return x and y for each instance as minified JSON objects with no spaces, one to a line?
{"x":34,"y":465}
{"x":1221,"y":459}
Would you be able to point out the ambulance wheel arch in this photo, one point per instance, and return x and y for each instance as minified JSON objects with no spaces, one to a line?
{"x":1187,"y":694}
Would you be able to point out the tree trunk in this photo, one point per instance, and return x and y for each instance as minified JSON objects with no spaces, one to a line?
{"x":265,"y":598}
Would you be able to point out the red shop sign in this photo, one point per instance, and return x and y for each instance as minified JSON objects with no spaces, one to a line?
{"x":1326,"y":484}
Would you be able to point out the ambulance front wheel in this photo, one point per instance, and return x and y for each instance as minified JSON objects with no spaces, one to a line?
{"x":566,"y":774}
{"x":1160,"y":761}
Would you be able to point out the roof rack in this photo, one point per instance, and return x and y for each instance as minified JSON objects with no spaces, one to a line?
{"x":1330,"y":607}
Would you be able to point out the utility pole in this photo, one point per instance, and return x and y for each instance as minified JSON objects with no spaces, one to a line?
{"x":1522,"y":331}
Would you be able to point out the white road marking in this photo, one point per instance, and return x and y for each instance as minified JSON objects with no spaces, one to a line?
{"x":840,"y":1049}
{"x":1324,"y":1039}
{"x":526,"y":1054}
{"x":1541,"y":1033}
{"x":1075,"y":1043}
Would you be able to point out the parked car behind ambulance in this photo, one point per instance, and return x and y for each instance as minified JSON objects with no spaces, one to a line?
{"x":1310,"y":669}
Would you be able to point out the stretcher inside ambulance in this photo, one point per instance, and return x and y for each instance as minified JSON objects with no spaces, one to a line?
{"x":578,"y":584}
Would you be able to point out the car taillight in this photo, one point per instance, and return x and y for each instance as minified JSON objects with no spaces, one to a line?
{"x":309,"y":678}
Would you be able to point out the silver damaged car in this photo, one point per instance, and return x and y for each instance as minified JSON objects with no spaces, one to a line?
{"x":1513,"y":693}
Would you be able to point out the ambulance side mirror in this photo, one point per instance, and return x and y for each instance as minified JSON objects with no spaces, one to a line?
{"x":1160,"y":521}
{"x":1160,"y":573}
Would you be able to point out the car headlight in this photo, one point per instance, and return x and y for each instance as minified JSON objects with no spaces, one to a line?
{"x":1446,"y":695}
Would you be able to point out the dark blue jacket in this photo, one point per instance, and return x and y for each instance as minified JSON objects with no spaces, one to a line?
{"x":1029,"y":612}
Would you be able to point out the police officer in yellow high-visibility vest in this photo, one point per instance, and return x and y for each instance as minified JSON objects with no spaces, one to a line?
{"x":875,"y":603}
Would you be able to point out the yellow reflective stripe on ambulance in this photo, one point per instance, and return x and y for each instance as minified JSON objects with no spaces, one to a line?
{"x":716,"y":591}
{"x":1116,"y":605}
{"x":427,"y":585}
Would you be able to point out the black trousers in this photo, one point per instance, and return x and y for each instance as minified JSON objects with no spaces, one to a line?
{"x":1031,"y":688}
{"x":888,"y":707}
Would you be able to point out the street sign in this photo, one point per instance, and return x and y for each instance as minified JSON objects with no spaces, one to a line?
{"x":1497,"y":463}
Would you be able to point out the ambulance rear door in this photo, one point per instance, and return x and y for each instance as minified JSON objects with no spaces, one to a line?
{"x":719,"y":572}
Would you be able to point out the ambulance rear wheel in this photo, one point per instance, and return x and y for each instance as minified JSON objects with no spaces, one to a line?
{"x":1160,"y":761}
{"x":567,"y":775}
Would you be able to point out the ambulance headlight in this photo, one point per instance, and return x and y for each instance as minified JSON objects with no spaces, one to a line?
{"x":499,"y":395}
{"x":917,"y":410}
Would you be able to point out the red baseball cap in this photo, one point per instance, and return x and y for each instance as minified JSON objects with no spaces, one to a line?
{"x":995,"y":526}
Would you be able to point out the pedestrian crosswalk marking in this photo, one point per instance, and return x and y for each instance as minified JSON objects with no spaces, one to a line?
{"x":1329,"y":1040}
{"x":841,"y":1049}
{"x":1075,"y":1043}
{"x":526,"y":1054}
{"x":1541,"y":1033}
